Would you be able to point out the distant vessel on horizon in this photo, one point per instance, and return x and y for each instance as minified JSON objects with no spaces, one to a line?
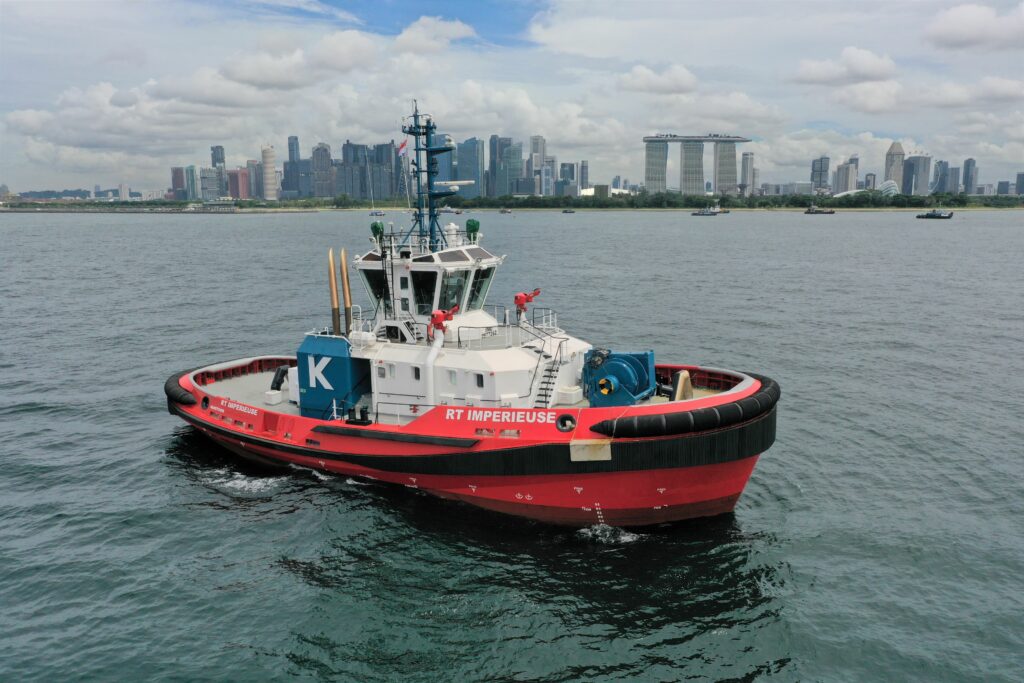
{"x":814,"y":208}
{"x":936,"y":213}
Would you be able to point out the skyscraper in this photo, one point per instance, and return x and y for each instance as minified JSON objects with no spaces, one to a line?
{"x":747,"y":174}
{"x":894,"y":164}
{"x":725,"y":168}
{"x":970,"y":176}
{"x":323,"y":182}
{"x":209,"y":184}
{"x":497,"y":147}
{"x":953,"y":186}
{"x":191,"y":183}
{"x":293,"y":148}
{"x":585,"y":174}
{"x":269,"y":168}
{"x":941,"y":179}
{"x":819,"y":173}
{"x":691,"y":163}
{"x":870,"y":181}
{"x":238,"y":183}
{"x":471,"y":167}
{"x":217,"y":156}
{"x":178,"y":183}
{"x":846,"y":177}
{"x":510,"y":169}
{"x":1020,"y":183}
{"x":916,"y":170}
{"x":655,"y":161}
{"x":255,"y":178}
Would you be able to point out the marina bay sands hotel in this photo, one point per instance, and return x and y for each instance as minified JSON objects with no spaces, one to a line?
{"x":692,"y":162}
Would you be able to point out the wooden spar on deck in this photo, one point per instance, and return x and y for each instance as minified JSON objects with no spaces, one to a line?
{"x":345,"y":289}
{"x":332,"y":279}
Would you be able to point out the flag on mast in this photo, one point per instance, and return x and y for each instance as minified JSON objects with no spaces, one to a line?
{"x":402,"y":151}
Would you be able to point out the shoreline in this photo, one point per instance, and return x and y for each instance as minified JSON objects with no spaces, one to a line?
{"x":290,"y":210}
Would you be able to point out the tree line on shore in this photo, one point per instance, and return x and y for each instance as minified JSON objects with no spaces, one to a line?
{"x":643,"y":200}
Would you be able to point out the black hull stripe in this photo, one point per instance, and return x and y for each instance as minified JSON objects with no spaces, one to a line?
{"x":702,"y":419}
{"x":452,"y":441}
{"x":706,"y":448}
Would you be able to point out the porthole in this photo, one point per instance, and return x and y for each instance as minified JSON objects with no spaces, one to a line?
{"x":565,"y":423}
{"x":206,"y":402}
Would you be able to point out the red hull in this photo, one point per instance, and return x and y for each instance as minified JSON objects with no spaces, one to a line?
{"x":538,"y":473}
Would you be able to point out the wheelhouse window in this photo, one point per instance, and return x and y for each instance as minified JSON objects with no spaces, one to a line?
{"x":453,"y":285}
{"x":478,"y":292}
{"x":376,"y":287}
{"x":424,"y":282}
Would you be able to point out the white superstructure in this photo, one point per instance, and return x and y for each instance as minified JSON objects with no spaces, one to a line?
{"x":477,"y":355}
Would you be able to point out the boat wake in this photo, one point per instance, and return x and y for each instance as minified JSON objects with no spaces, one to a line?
{"x":609,"y":535}
{"x":235,"y":483}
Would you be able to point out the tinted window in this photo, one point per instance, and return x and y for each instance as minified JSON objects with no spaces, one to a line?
{"x":452,"y":256}
{"x":478,"y":292}
{"x":423,"y":284}
{"x":477,"y":252}
{"x":377,"y":287}
{"x":452,"y":287}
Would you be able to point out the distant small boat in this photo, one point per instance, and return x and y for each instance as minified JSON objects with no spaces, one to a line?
{"x":568,"y":210}
{"x":936,"y":213}
{"x":813,"y":208}
{"x":707,"y":211}
{"x":505,"y":211}
{"x":378,"y":212}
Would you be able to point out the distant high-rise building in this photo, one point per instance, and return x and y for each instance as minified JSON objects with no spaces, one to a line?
{"x":124,"y":194}
{"x":846,"y":177}
{"x":616,"y":182}
{"x":746,"y":185}
{"x":1020,"y":183}
{"x":970,"y":176}
{"x":725,"y":168}
{"x":655,"y":162}
{"x":496,"y":147}
{"x":510,"y":170}
{"x":1003,"y":187}
{"x":178,"y":183}
{"x":323,"y":180}
{"x":819,"y":173}
{"x":209,"y":184}
{"x":293,"y":148}
{"x":538,"y":150}
{"x":691,"y":165}
{"x":255,"y":178}
{"x":471,"y":167}
{"x":238,"y":183}
{"x":916,"y":170}
{"x":894,"y":164}
{"x":217,"y":156}
{"x":870,"y":181}
{"x":269,"y":168}
{"x":567,"y":171}
{"x":953,"y":186}
{"x":941,"y":179}
{"x":755,"y":180}
{"x":584,"y":174}
{"x":191,"y":183}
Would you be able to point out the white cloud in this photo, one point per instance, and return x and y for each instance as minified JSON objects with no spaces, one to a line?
{"x":672,"y":80}
{"x":871,"y":98}
{"x":311,"y":6}
{"x":854,"y":66}
{"x":977,"y":26}
{"x":431,"y":34}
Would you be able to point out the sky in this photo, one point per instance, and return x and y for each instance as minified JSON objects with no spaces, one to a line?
{"x":114,"y":91}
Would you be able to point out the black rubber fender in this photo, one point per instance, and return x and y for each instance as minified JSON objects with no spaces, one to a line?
{"x":703,"y":419}
{"x":174,"y":391}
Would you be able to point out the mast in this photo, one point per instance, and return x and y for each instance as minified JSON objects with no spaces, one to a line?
{"x":427,"y":149}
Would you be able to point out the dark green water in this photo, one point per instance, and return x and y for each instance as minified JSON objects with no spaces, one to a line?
{"x":881,"y":538}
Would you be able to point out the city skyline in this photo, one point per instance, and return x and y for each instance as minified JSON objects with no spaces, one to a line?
{"x":933,"y":76}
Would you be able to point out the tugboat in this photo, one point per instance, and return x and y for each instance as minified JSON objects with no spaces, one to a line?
{"x":568,"y":210}
{"x":815,"y":209}
{"x":506,"y":210}
{"x":707,"y":211}
{"x":936,"y":213}
{"x":435,"y":389}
